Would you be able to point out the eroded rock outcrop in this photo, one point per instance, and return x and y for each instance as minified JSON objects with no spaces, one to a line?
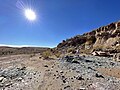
{"x":106,"y":38}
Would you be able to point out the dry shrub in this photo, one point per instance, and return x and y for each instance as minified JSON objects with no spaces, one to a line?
{"x":57,"y":54}
{"x":46,"y":54}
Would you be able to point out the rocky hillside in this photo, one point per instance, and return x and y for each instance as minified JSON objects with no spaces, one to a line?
{"x":106,"y":38}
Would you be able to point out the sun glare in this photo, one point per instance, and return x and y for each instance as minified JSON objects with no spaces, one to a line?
{"x":30,"y":14}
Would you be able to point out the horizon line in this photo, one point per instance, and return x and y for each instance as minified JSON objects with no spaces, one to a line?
{"x":20,"y":46}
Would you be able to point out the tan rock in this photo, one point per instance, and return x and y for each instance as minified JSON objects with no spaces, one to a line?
{"x":116,"y":57}
{"x":100,"y":53}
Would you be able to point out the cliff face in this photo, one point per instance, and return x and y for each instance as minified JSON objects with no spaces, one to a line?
{"x":106,"y":38}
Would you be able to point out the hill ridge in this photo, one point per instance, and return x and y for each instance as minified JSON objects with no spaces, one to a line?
{"x":104,"y":38}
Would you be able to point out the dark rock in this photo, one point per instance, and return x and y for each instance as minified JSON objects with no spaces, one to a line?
{"x":68,"y":58}
{"x":48,"y":70}
{"x":34,"y":73}
{"x":56,"y":71}
{"x":99,"y":75}
{"x":74,"y":77}
{"x":8,"y":84}
{"x":74,"y":68}
{"x":64,"y":81}
{"x":82,"y":89}
{"x":111,"y":63}
{"x":45,"y":65}
{"x":78,"y":71}
{"x":63,"y":76}
{"x":83,"y":56}
{"x":67,"y":87}
{"x":78,"y":57}
{"x":57,"y":77}
{"x":79,"y":78}
{"x":61,"y":71}
{"x":88,"y":61}
{"x":30,"y":78}
{"x":91,"y":68}
{"x":54,"y":75}
{"x":75,"y":62}
{"x":52,"y":66}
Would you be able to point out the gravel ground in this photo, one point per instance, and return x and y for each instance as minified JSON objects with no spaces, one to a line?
{"x":22,"y":72}
{"x":87,"y":67}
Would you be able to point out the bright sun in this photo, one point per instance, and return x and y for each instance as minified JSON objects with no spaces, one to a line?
{"x":30,"y":14}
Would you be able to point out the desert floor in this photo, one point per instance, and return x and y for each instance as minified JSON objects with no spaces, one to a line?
{"x":23,"y":72}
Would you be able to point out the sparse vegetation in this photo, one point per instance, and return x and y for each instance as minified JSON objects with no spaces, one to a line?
{"x":57,"y":54}
{"x":46,"y":54}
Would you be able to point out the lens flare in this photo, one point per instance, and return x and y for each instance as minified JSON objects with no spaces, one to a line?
{"x":30,"y":14}
{"x":27,"y":9}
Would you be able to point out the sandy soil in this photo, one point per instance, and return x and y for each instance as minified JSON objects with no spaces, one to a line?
{"x":114,"y":72}
{"x":51,"y":77}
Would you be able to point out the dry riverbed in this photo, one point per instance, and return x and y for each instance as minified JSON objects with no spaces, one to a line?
{"x":23,"y":72}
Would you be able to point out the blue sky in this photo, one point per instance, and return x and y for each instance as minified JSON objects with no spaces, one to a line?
{"x":56,"y":20}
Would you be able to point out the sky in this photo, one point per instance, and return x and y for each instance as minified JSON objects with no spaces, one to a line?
{"x":57,"y":20}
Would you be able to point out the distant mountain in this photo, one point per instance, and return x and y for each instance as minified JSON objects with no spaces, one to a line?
{"x":4,"y":50}
{"x":105,"y":38}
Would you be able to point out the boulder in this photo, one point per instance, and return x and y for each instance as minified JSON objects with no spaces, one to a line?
{"x":1,"y":78}
{"x":5,"y":80}
{"x":95,"y":53}
{"x":68,"y":58}
{"x":101,"y":53}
